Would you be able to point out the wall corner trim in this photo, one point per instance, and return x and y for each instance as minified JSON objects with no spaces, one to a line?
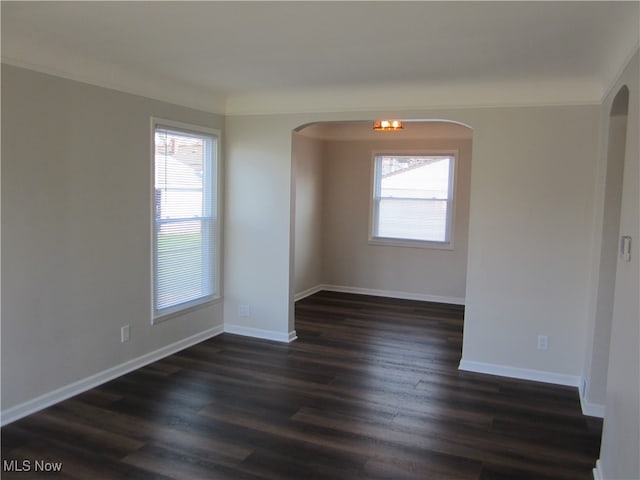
{"x":521,"y":373}
{"x":589,"y":409}
{"x":308,"y":292}
{"x":597,"y":472}
{"x":50,"y":398}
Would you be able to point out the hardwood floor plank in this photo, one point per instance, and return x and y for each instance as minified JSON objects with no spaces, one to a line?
{"x":295,"y":460}
{"x":370,"y":390}
{"x":179,"y":464}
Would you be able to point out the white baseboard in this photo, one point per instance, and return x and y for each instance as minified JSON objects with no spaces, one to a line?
{"x":259,"y":333}
{"x":589,"y":409}
{"x":392,"y":294}
{"x":308,"y":292}
{"x":521,"y":373}
{"x":597,"y":472}
{"x":592,"y":409}
{"x":43,"y":401}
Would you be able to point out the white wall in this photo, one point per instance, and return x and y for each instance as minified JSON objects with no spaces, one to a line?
{"x":619,"y":457}
{"x":308,"y":186}
{"x":76,"y":226}
{"x":258,"y":224}
{"x":349,"y":260}
{"x":528,"y":274}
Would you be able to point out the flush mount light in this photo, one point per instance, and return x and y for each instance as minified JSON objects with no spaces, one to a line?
{"x":387,"y":125}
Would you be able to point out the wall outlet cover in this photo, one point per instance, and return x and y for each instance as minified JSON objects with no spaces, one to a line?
{"x":124,"y":334}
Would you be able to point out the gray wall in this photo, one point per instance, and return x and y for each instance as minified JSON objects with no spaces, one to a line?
{"x":76,"y":226}
{"x":308,"y":159}
{"x":598,"y":361}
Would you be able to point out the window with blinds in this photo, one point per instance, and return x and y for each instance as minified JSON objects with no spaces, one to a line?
{"x":185,"y":243}
{"x":413,"y":199}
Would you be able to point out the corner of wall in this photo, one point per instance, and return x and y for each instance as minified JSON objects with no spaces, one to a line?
{"x":589,"y":409}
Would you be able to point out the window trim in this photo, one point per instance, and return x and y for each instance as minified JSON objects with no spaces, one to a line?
{"x":411,"y":243}
{"x":216,"y":296}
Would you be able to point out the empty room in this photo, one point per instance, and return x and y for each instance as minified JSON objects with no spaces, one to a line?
{"x":334,"y":240}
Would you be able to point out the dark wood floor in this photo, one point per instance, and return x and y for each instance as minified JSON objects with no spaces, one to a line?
{"x":370,"y":390}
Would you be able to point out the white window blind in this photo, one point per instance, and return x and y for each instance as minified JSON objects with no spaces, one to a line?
{"x":413,"y":198}
{"x":185,"y":219}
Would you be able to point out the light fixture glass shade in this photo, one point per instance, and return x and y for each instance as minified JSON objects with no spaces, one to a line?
{"x":387,"y":125}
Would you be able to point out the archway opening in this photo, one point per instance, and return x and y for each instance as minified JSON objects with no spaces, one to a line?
{"x":333,"y":165}
{"x":616,"y":146}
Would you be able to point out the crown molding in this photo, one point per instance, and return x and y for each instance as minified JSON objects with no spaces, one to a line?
{"x":128,"y":82}
{"x":356,"y":98}
{"x":409,"y":97}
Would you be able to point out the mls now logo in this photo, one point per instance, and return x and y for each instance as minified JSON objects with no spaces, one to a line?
{"x":30,"y":466}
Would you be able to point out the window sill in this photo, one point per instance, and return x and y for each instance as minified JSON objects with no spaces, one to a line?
{"x":398,"y":242}
{"x":185,"y":310}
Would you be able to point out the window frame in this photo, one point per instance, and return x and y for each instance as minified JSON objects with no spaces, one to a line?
{"x":374,"y":183}
{"x":159,"y":316}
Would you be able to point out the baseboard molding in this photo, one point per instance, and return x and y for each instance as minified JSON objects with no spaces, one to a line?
{"x":521,"y":373}
{"x":597,"y":472}
{"x":393,"y":294}
{"x":308,"y":292}
{"x":592,"y":409}
{"x":259,"y":333}
{"x":43,"y":401}
{"x":589,"y":409}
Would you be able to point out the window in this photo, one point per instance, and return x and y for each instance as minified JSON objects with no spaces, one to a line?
{"x":413,"y":200}
{"x":186,"y":220}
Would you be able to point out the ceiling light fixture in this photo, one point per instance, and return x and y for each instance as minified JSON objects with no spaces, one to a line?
{"x":387,"y":125}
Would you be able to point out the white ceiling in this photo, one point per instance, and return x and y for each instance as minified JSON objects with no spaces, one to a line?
{"x":243,"y":56}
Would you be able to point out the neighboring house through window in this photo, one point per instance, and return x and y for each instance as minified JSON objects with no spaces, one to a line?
{"x":186,"y":220}
{"x":412,"y":201}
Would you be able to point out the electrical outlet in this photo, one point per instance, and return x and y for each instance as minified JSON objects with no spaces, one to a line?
{"x":543,"y":342}
{"x":124,"y":334}
{"x":244,"y":310}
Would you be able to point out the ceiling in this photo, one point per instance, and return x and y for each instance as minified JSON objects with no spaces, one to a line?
{"x":244,"y":57}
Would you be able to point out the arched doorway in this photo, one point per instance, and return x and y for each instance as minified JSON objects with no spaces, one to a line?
{"x":609,"y":247}
{"x":332,"y":165}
